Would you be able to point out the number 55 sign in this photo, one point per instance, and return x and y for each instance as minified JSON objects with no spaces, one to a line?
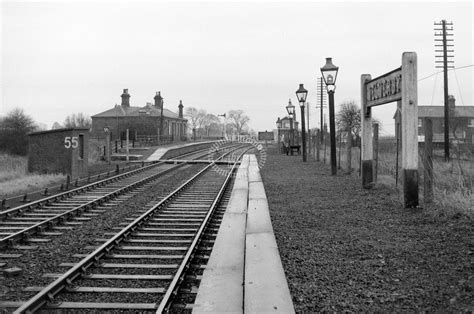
{"x":71,"y":141}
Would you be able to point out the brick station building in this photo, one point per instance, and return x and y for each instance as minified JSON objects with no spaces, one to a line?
{"x":142,"y":122}
{"x":461,"y":122}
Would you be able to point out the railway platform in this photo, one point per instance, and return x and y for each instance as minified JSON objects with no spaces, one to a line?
{"x":244,"y":273}
{"x":168,"y":150}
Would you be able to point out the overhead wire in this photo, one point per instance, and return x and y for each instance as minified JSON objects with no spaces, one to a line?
{"x":462,"y":67}
{"x":434,"y":88}
{"x":459,"y":88}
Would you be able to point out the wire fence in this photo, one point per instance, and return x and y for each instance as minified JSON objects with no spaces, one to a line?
{"x":452,"y":181}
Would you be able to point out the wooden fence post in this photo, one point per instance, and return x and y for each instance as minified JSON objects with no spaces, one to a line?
{"x":318,"y":144}
{"x":127,"y":148}
{"x":376,"y":150}
{"x":349,"y":150}
{"x":428,"y":162}
{"x":340,"y":146}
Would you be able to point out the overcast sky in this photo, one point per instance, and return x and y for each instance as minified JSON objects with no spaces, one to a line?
{"x":60,"y":58}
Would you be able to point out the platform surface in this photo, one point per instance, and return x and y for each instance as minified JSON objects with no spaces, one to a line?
{"x":162,"y":150}
{"x":244,"y":273}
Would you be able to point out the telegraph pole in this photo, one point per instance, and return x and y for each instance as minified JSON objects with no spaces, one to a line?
{"x":322,"y":103}
{"x":444,"y":33}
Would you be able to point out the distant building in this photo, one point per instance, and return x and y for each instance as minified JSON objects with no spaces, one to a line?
{"x":141,"y":121}
{"x":284,"y":132}
{"x":461,"y":122}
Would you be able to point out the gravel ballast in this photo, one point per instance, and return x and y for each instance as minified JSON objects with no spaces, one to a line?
{"x":62,"y":248}
{"x":344,"y":248}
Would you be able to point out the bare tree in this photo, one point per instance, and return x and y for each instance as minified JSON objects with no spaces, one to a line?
{"x":209,"y":121}
{"x":78,"y":120}
{"x":238,"y":119}
{"x":194,"y":119}
{"x":14,"y":129}
{"x":348,"y":119}
{"x":56,"y":125}
{"x":201,"y":121}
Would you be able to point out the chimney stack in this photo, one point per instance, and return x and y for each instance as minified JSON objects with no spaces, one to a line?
{"x":158,"y":100}
{"x":451,"y":102}
{"x":125,"y":98}
{"x":180,"y":109}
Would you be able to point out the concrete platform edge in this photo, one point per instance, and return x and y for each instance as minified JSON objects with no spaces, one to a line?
{"x":220,"y":290}
{"x":244,"y":273}
{"x":266,"y":288}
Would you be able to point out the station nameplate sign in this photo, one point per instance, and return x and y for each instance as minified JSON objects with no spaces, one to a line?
{"x":384,"y":89}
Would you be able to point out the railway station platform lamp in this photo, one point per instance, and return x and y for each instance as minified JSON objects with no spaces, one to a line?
{"x":329,"y":72}
{"x":291,"y":113}
{"x":301,"y":94}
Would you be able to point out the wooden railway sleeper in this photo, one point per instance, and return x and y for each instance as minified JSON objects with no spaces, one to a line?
{"x":11,"y":242}
{"x":25,"y":236}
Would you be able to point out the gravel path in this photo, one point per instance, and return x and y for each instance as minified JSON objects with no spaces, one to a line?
{"x":61,"y":249}
{"x":349,"y":249}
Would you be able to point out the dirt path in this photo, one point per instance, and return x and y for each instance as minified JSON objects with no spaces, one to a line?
{"x":345,"y":248}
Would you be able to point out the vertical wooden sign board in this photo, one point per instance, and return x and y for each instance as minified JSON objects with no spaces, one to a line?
{"x":399,"y":84}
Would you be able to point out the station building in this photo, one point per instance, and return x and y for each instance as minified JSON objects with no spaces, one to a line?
{"x":461,"y":120}
{"x":142,"y":122}
{"x":283,"y":131}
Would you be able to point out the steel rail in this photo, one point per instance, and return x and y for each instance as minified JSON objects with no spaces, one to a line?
{"x":7,"y":213}
{"x":17,"y":198}
{"x":25,"y":233}
{"x":47,"y":223}
{"x":179,"y":276}
{"x":48,"y":293}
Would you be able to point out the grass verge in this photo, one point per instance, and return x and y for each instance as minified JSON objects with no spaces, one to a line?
{"x":15,"y":180}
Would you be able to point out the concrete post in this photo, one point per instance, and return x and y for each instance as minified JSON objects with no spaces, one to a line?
{"x":409,"y":129}
{"x":366,"y":140}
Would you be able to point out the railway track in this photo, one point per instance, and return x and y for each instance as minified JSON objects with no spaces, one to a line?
{"x":19,"y":200}
{"x":142,"y":267}
{"x":36,"y":221}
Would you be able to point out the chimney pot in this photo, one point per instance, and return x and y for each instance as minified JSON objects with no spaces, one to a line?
{"x":180,"y":107}
{"x":125,"y":98}
{"x":158,"y":100}
{"x":451,"y":102}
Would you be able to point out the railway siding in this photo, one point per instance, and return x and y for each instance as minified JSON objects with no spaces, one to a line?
{"x":244,"y":272}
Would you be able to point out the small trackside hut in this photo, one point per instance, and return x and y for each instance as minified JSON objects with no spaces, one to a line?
{"x":59,"y":151}
{"x":398,"y":85}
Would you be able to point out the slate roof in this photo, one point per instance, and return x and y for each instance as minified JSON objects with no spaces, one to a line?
{"x":438,"y":111}
{"x":149,"y":110}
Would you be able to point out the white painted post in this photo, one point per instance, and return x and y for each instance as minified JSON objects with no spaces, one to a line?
{"x":108,"y":147}
{"x":367,"y":157}
{"x":410,"y":129}
{"x":127,"y":146}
